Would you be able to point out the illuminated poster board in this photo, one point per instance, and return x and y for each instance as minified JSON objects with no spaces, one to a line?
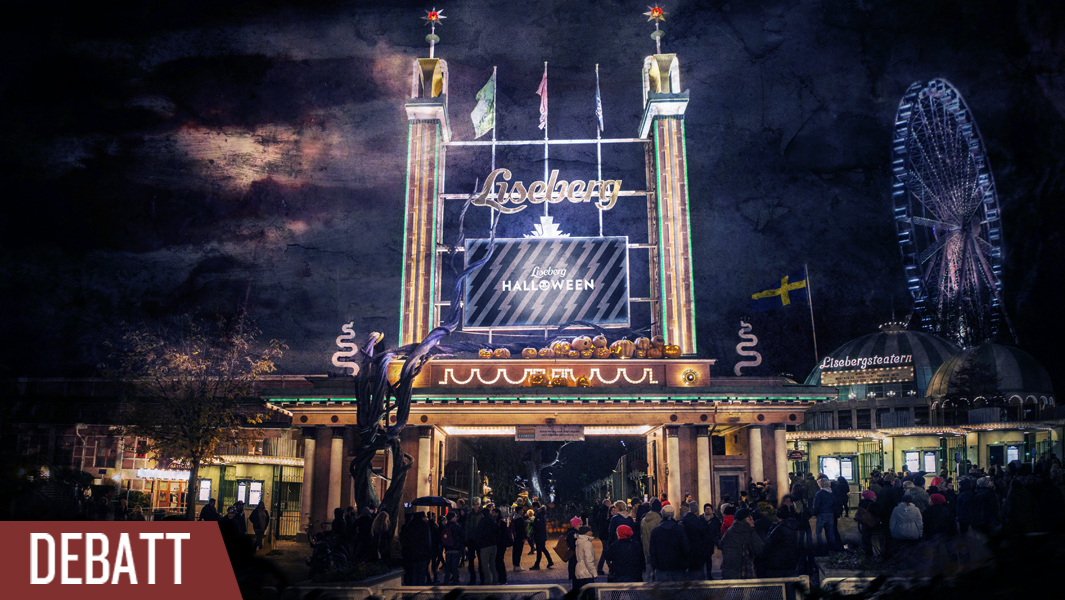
{"x":203,"y":493}
{"x":830,"y":466}
{"x":930,"y":462}
{"x":867,"y":376}
{"x":1013,"y":453}
{"x":913,"y":462}
{"x":846,"y":468}
{"x":545,"y":282}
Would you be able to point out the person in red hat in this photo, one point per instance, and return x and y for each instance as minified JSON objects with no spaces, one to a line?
{"x":624,"y":559}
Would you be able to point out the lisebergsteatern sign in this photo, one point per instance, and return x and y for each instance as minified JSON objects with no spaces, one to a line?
{"x":547,"y":282}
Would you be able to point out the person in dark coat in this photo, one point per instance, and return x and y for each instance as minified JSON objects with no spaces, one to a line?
{"x":740,"y":542}
{"x":781,"y":552}
{"x":453,"y":540}
{"x":435,"y":550}
{"x":987,"y":511}
{"x":841,"y":490}
{"x":517,"y":527}
{"x":1018,"y":510}
{"x":364,"y":550}
{"x":824,"y":508}
{"x":669,"y":548}
{"x":621,"y":517}
{"x":417,"y":541}
{"x":540,"y":537}
{"x":623,"y":559}
{"x":486,"y":537}
{"x":122,"y":510}
{"x":505,"y":541}
{"x":209,"y":512}
{"x":473,"y":519}
{"x":868,"y":503}
{"x":699,"y":540}
{"x":963,"y":508}
{"x":338,"y":529}
{"x":938,"y":520}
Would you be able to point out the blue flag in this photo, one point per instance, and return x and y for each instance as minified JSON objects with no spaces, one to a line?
{"x":789,"y":290}
{"x":598,"y":100}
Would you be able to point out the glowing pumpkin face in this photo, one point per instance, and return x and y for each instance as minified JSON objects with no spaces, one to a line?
{"x":671,"y":351}
{"x":560,"y":347}
{"x":546,"y":353}
{"x":602,"y":352}
{"x":529,"y":353}
{"x":587,"y":353}
{"x":484,"y":353}
{"x":623,"y":348}
{"x":573,"y":354}
{"x":559,"y":382}
{"x":538,"y":380}
{"x":639,"y":353}
{"x":582,"y":381}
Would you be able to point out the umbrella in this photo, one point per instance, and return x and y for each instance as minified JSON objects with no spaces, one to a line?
{"x":434,"y":501}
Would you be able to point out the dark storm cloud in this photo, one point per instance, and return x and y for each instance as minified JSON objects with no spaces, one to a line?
{"x":173,"y":157}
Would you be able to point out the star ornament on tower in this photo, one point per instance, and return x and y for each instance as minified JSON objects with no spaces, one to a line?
{"x":655,"y":13}
{"x":433,"y":17}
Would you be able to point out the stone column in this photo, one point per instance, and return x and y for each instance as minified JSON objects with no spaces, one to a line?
{"x":702,"y":449}
{"x":780,"y":438}
{"x":425,"y":460}
{"x":336,"y":469}
{"x":673,"y":466}
{"x":306,"y":495}
{"x":754,"y":452}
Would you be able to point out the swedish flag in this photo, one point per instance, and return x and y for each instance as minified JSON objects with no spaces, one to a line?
{"x":789,"y":290}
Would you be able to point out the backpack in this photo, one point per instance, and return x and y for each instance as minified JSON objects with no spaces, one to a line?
{"x":447,"y":537}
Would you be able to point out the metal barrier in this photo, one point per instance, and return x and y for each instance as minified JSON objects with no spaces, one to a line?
{"x":502,"y":592}
{"x":784,"y":588}
{"x":849,"y":586}
{"x":327,"y":592}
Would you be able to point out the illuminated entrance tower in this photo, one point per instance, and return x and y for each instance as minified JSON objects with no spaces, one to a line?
{"x":427,"y":132}
{"x":672,"y":304}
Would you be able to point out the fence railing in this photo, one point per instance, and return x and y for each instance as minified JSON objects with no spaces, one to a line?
{"x":501,"y":592}
{"x":785,"y":588}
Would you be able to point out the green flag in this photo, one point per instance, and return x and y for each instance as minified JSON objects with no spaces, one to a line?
{"x":484,"y":114}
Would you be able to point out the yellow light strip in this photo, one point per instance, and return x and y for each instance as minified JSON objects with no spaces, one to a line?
{"x":503,"y":431}
{"x":618,"y":430}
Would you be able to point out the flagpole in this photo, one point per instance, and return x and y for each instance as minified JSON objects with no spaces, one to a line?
{"x":598,"y":143}
{"x":810,"y":296}
{"x":495,"y":99}
{"x":547,"y":199}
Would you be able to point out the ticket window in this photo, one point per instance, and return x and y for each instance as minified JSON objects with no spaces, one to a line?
{"x":834,"y":466}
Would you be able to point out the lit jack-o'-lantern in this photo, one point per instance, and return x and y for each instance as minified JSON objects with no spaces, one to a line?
{"x":602,"y":352}
{"x":582,"y":381}
{"x":639,"y":353}
{"x":560,"y":348}
{"x":559,"y":382}
{"x":671,"y":351}
{"x":484,"y":353}
{"x":547,"y":353}
{"x":623,"y":348}
{"x":501,"y":353}
{"x":587,"y":353}
{"x":538,"y":380}
{"x":529,"y":353}
{"x":573,"y":354}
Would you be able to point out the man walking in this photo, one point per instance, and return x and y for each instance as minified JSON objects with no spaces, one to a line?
{"x":540,"y":536}
{"x":669,"y":548}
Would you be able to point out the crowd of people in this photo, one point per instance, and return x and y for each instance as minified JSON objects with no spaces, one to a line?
{"x":757,"y":536}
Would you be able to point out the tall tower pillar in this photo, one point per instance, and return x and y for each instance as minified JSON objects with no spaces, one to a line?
{"x":428,"y":130}
{"x":664,"y":104}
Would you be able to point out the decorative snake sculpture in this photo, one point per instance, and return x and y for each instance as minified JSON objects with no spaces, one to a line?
{"x":348,"y":348}
{"x":741,"y":348}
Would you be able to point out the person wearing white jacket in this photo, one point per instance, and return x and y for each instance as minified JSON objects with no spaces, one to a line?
{"x":586,"y":568}
{"x":907,"y":527}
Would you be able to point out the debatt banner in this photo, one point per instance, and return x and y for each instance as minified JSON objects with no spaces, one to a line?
{"x":546,"y":282}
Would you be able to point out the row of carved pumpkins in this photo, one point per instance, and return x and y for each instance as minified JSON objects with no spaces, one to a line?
{"x":543,"y":380}
{"x":597,"y":347}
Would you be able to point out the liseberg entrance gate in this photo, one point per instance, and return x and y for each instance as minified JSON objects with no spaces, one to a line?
{"x":706,"y":435}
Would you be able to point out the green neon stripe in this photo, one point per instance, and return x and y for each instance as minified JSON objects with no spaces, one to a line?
{"x":406,"y":213}
{"x":432,"y":246}
{"x":661,"y":267}
{"x":688,"y":224}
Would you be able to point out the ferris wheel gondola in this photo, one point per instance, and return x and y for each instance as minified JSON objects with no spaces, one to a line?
{"x":947,"y":215}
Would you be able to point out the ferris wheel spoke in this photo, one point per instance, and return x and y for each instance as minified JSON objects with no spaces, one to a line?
{"x":934,"y":249}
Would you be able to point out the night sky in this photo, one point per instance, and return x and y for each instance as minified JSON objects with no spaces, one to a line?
{"x":164,"y":158}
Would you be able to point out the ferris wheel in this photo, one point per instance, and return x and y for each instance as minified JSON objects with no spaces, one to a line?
{"x":947,"y":216}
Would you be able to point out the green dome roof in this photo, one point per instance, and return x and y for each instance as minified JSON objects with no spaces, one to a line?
{"x":924,"y":351}
{"x":1017,"y":372}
